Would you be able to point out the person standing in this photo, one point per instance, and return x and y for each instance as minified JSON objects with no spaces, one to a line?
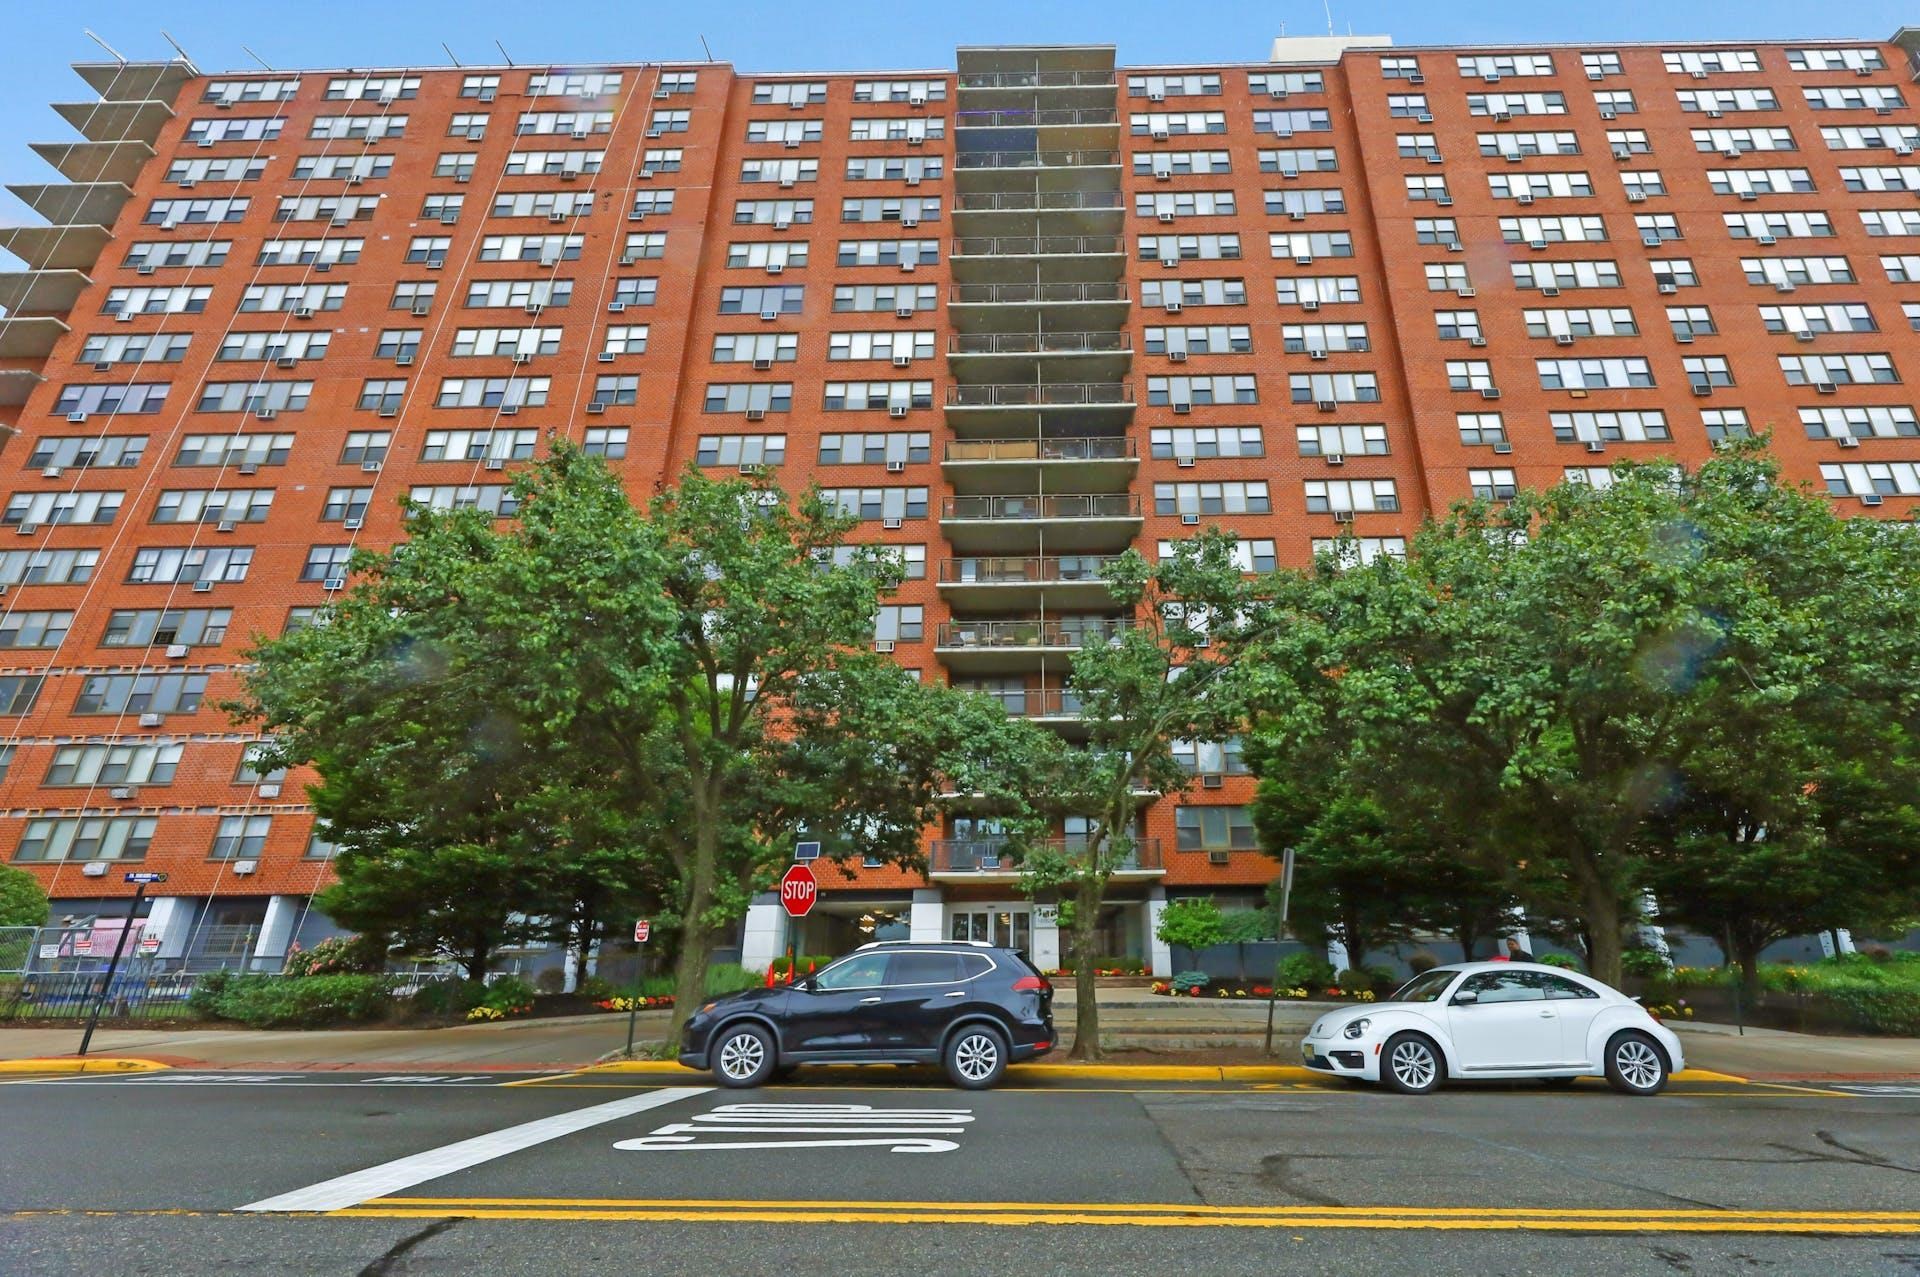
{"x":1515,"y":953}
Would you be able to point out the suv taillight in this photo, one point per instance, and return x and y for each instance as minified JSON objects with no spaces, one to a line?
{"x":1031,"y":984}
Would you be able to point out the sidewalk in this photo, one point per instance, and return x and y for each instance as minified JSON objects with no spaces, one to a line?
{"x":1161,"y":1029}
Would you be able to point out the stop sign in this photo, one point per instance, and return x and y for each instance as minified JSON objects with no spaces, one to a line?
{"x":798,"y":890}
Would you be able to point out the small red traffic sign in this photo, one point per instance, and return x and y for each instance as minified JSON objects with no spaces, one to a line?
{"x":641,"y":930}
{"x":798,"y":890}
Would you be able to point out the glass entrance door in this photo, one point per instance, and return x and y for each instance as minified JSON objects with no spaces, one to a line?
{"x":1010,"y":927}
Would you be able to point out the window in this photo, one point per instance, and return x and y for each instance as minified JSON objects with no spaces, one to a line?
{"x":384,"y":397}
{"x":885,"y":128}
{"x":1470,"y":374}
{"x":1499,"y":104}
{"x":876,"y":503}
{"x":1829,"y":59}
{"x":885,"y":297}
{"x":750,"y":398}
{"x":1674,"y":272}
{"x":1571,"y":229}
{"x":606,"y":441}
{"x":1185,"y":204}
{"x":1496,"y":67}
{"x":18,"y":692}
{"x":345,"y":503}
{"x":1611,"y":427}
{"x":578,"y":123}
{"x":365,"y":447}
{"x":234,"y":450}
{"x":294,"y":297}
{"x":1433,"y":188}
{"x":1492,"y":485}
{"x":1885,"y":479}
{"x":1627,"y":373}
{"x":1446,"y":277}
{"x":1206,"y":442}
{"x":1733,"y":143}
{"x":548,"y":204}
{"x":1893,"y":221}
{"x":478,"y":445}
{"x":1342,"y":441}
{"x":213,"y":505}
{"x":770,"y":257}
{"x":136,"y":348}
{"x":1691,"y":321}
{"x":1193,"y":499}
{"x":1612,"y":102}
{"x":114,"y":764}
{"x":784,"y":299}
{"x":1860,"y":423}
{"x":874,"y":449}
{"x":172,"y":566}
{"x":1505,"y":186}
{"x":240,"y":837}
{"x":629,"y":339}
{"x":33,"y":629}
{"x":1558,"y":275}
{"x":773,"y":212}
{"x":137,"y":398}
{"x":1162,"y":164}
{"x":47,"y":567}
{"x":1193,"y":292}
{"x":1795,"y":271}
{"x":518,"y":293}
{"x":380,"y":88}
{"x":907,"y":210}
{"x":37,"y":509}
{"x":1340,"y":387}
{"x":1836,"y":317}
{"x":1251,"y":554}
{"x":310,"y":252}
{"x":1778,"y":225}
{"x":741,"y":450}
{"x":1288,"y":123}
{"x":545,"y":249}
{"x":1351,"y":551}
{"x":194,"y":627}
{"x":1214,"y":829}
{"x":1726,"y":423}
{"x":1228,"y":389}
{"x":1294,"y":161}
{"x":505,"y":342}
{"x":1174,"y":86}
{"x":250,"y":90}
{"x":496,"y":499}
{"x":1600,"y":65}
{"x":257,"y":128}
{"x":273,"y":346}
{"x":140,"y":694}
{"x":1317,"y":290}
{"x":857,"y":396}
{"x":619,"y":390}
{"x":784,"y":172}
{"x":755,"y":348}
{"x":1336,"y":496}
{"x":1839,"y":370}
{"x":79,"y":452}
{"x":1478,"y":429}
{"x":86,"y":838}
{"x":162,"y":301}
{"x":1871,"y":97}
{"x":1713,"y":102}
{"x":554,"y":163}
{"x":493,"y":392}
{"x":1178,"y":248}
{"x":1707,"y":371}
{"x":1525,"y":145}
{"x":900,"y":624}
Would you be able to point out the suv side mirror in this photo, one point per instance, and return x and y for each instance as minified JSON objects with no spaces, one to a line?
{"x":1465,"y":998}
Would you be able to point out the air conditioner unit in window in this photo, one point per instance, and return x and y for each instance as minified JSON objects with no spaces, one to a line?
{"x":245,"y":867}
{"x":1335,"y":458}
{"x":1563,"y":339}
{"x":1823,"y":387}
{"x":152,"y":720}
{"x":769,"y":315}
{"x":1190,"y":520}
{"x":203,"y":586}
{"x":1296,"y":215}
{"x":1476,"y":340}
{"x":94,"y":869}
{"x":1444,"y":201}
{"x":883,"y":645}
{"x":1803,"y":334}
{"x":1309,"y":303}
{"x":903,"y":312}
{"x":1684,"y":337}
{"x":903,"y":361}
{"x":509,"y":409}
{"x":1423,"y":118}
{"x":1536,"y":244}
{"x":1636,"y":197}
{"x":1785,"y":286}
{"x":1523,"y":199}
{"x":597,"y":406}
{"x":1702,"y":388}
{"x":303,"y":312}
{"x":1846,"y":441}
{"x":370,"y":467}
{"x":1343,"y":516}
{"x":1160,"y":135}
{"x":756,"y":414}
{"x":145,"y":268}
{"x":1184,"y":462}
{"x":76,"y":417}
{"x":1502,"y":117}
{"x":1669,"y":289}
{"x":287,"y":361}
{"x":105,"y":366}
{"x":1596,"y":445}
{"x":124,"y":316}
{"x":1489,"y":392}
{"x":1870,"y":498}
{"x":1167,"y":218}
{"x":265,"y":414}
{"x":909,"y":222}
{"x":1606,"y":114}
{"x":122,"y":792}
{"x":523,"y":357}
{"x":1316,"y":354}
{"x":351,"y":524}
{"x":249,"y":467}
{"x":496,"y":463}
{"x":51,"y":472}
{"x":891,"y":522}
{"x":762,"y":365}
{"x":1714,"y":115}
{"x":1156,"y":97}
{"x":225,"y":525}
{"x":1622,"y":152}
{"x":1549,"y":291}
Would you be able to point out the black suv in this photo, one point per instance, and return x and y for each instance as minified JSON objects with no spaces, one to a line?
{"x":967,"y":1006}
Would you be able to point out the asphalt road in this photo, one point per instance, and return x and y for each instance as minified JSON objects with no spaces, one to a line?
{"x":168,"y":1173}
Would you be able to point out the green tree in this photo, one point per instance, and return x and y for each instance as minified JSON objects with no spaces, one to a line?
{"x":1172,"y":673}
{"x":1573,"y":650}
{"x":22,"y":902}
{"x":1194,"y":924}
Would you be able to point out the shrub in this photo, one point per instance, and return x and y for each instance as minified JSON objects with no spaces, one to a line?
{"x":1187,"y":981}
{"x":1561,"y":960}
{"x":802,"y":963}
{"x":509,"y":995}
{"x":1877,"y":952}
{"x":1191,"y":924}
{"x":1637,"y":962}
{"x":303,"y":1002}
{"x":337,"y":954}
{"x":595,"y":988}
{"x":208,"y":988}
{"x":447,"y":998}
{"x":551,"y":980}
{"x":1305,"y":969}
{"x":1420,"y":962}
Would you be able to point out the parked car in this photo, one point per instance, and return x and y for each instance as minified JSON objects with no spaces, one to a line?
{"x":1497,"y":1020}
{"x":967,"y":1006}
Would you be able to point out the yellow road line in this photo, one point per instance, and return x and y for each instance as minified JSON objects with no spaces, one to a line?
{"x":82,"y":1064}
{"x":1628,"y":1222}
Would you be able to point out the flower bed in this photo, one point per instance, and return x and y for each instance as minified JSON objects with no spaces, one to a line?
{"x":662,"y":1002}
{"x":1194,"y":984}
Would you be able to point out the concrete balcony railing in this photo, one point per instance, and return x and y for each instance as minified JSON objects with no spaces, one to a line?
{"x":1039,"y":118}
{"x":1095,"y":448}
{"x":1037,"y":245}
{"x":1037,"y":79}
{"x":1066,"y":633}
{"x":1044,"y":395}
{"x":1024,"y":294}
{"x":995,"y":855}
{"x":1026,"y":201}
{"x":1026,"y":569}
{"x":1025,"y":509}
{"x":1036,"y":159}
{"x":1069,"y":343}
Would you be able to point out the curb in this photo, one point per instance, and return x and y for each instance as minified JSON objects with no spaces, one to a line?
{"x":1123,"y":1072}
{"x":82,"y":1064}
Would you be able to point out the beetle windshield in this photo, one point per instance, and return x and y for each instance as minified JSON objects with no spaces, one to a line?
{"x":1426,"y":987}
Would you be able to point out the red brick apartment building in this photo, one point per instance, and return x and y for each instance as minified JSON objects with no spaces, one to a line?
{"x":1017,"y":318}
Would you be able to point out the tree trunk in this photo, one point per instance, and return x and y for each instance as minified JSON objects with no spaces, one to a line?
{"x":1086,"y":1008}
{"x":1604,"y":919}
{"x":479,"y":957}
{"x":696,"y":940}
{"x":1466,"y":934}
{"x":1746,"y":955}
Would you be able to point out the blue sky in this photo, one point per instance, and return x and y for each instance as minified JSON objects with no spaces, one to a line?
{"x":790,"y":35}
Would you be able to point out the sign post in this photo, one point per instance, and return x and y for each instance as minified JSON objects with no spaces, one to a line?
{"x":1286,"y":902}
{"x":799,"y":889}
{"x":642,"y":928}
{"x":141,"y":882}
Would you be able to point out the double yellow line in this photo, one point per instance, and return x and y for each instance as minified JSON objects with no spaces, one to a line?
{"x":1143,"y":1214}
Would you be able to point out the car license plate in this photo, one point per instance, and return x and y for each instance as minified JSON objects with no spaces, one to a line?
{"x":1306,"y":1053}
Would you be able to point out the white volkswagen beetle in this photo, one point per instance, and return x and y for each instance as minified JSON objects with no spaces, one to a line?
{"x":1496,"y":1020}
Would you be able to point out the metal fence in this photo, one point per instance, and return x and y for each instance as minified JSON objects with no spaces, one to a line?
{"x":67,"y":995}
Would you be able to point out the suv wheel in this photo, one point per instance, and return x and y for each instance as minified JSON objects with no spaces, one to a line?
{"x":976,"y":1057}
{"x":743,"y":1056}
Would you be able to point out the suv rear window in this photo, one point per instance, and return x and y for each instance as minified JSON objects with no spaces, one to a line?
{"x":975,"y":964}
{"x":923,"y":968}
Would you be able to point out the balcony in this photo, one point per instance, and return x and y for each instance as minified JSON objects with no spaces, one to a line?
{"x":1025,"y":524}
{"x":74,"y":248}
{"x":1088,"y":306}
{"x":1078,"y":159}
{"x":1051,"y":705}
{"x":74,"y":203}
{"x":1026,"y":582}
{"x":1036,"y":118}
{"x":135,"y":81}
{"x":41,"y":291}
{"x":990,"y":857}
{"x":116,"y":121}
{"x":1096,"y":463}
{"x":1017,"y":646}
{"x":1032,"y":211}
{"x":1012,"y":357}
{"x":95,"y":161}
{"x":1027,"y":406}
{"x":1037,"y":80}
{"x":1015,"y":259}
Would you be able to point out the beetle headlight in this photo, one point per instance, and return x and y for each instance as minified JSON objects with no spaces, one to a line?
{"x":1356,"y":1028}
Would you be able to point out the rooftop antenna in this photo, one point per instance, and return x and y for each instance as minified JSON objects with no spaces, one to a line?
{"x":184,"y":55}
{"x":256,"y":57}
{"x":450,"y":57}
{"x":1329,"y":7}
{"x":706,"y":49}
{"x":503,"y":51}
{"x":103,"y":44}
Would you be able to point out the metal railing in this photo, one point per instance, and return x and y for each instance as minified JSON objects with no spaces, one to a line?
{"x":135,"y":993}
{"x":1026,"y":569}
{"x":1006,"y":395}
{"x":1095,"y":343}
{"x":1038,"y":702}
{"x":997,"y":855}
{"x":1014,"y":117}
{"x":1111,"y":505}
{"x":1025,"y":201}
{"x":1082,"y":158}
{"x":1037,"y":79}
{"x":1093,"y":448}
{"x":1097,"y":291}
{"x":1067,"y":633}
{"x":1036,"y":245}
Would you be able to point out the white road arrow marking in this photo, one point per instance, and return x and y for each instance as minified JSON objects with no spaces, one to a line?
{"x":858,"y":1125}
